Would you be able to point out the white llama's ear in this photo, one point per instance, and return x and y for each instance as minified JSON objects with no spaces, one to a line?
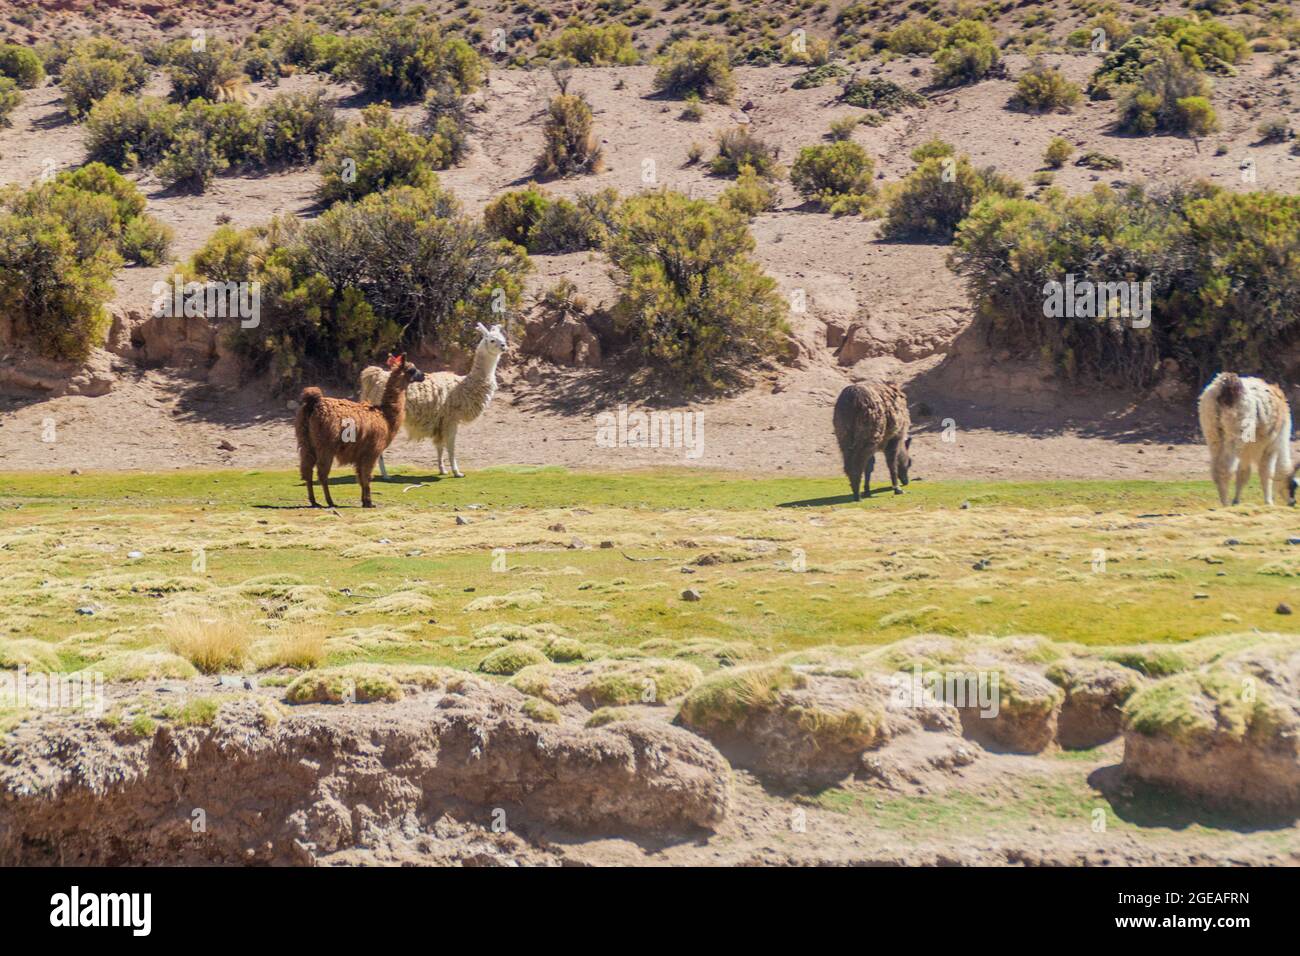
{"x":481,"y":328}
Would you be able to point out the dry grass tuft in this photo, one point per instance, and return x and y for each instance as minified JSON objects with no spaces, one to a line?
{"x":28,"y":653}
{"x":212,"y":644}
{"x":299,"y":647}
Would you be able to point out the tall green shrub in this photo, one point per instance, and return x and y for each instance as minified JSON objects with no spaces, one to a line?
{"x":702,"y":67}
{"x":695,"y":305}
{"x":376,"y":154}
{"x":1169,"y":96}
{"x":595,"y":45}
{"x":125,"y":131}
{"x":968,"y":53}
{"x":834,"y":175}
{"x":203,"y":70}
{"x":22,"y":65}
{"x":58,"y":251}
{"x":938,"y":194}
{"x":1042,"y":88}
{"x":397,"y":269}
{"x":1223,"y":268}
{"x":96,"y":68}
{"x":570,"y":146}
{"x":402,"y":59}
{"x":10,"y":97}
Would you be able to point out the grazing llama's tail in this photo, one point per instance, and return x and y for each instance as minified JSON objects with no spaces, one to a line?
{"x":1231,"y":400}
{"x":307,"y":404}
{"x":1231,"y":391}
{"x":1284,"y":466}
{"x":849,"y":433}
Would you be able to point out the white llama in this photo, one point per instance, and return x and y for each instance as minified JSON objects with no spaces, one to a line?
{"x":444,"y":401}
{"x":1246,"y":421}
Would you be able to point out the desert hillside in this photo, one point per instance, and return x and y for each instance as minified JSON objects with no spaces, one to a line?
{"x":871,"y":307}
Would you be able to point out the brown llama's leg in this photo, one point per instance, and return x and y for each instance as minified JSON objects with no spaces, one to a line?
{"x":365,"y":469}
{"x":323,"y":472}
{"x":891,"y":459}
{"x":869,"y":462}
{"x":853,"y":467}
{"x":306,"y":462}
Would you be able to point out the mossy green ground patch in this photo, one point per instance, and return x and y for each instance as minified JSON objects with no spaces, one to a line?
{"x":1096,"y":562}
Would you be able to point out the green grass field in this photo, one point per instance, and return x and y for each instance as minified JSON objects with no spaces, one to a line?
{"x":780,"y":563}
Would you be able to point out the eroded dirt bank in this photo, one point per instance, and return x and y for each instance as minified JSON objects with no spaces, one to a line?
{"x":807,"y":760}
{"x":259,"y":787}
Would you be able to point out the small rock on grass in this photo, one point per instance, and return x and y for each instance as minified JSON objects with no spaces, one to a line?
{"x":461,"y":519}
{"x":1283,"y":608}
{"x":690,"y":594}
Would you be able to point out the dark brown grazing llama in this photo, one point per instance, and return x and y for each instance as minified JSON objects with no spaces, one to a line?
{"x":870,"y":417}
{"x":351,"y":433}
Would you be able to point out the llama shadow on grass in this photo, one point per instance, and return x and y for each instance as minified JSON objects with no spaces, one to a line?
{"x":844,"y":499}
{"x":302,"y":507}
{"x":341,"y":478}
{"x":404,"y":479}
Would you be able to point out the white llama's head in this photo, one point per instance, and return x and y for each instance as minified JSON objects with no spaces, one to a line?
{"x":493,"y":339}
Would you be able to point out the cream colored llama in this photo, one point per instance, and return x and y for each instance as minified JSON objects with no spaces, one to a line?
{"x":444,"y":401}
{"x":1246,"y":421}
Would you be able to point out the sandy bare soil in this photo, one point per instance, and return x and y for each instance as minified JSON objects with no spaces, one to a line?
{"x":153,"y":420}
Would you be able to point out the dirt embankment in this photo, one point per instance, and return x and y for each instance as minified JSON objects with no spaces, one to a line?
{"x":262,"y":787}
{"x":445,"y":767}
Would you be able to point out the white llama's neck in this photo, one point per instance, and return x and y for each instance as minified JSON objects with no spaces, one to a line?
{"x":485,"y":364}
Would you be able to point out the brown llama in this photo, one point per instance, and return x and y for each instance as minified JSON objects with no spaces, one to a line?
{"x":351,"y":433}
{"x":871,"y":417}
